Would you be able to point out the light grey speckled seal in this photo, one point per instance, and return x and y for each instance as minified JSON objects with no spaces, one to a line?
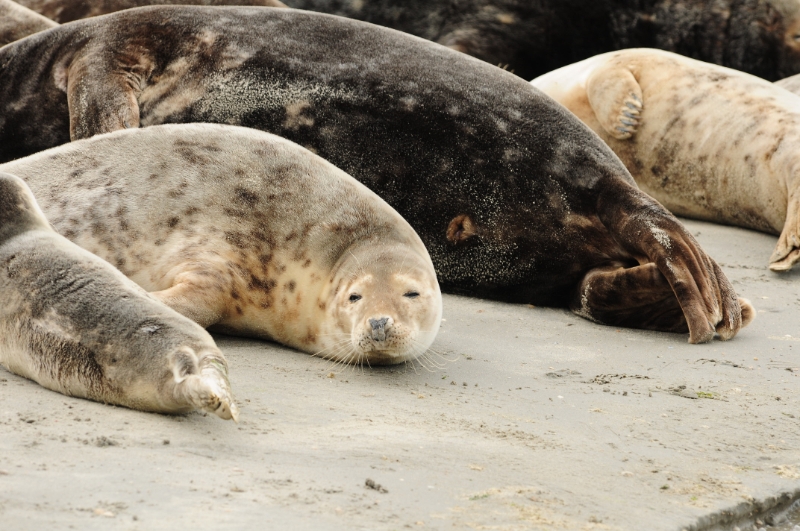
{"x":74,"y":324}
{"x":708,"y":142}
{"x":17,"y":22}
{"x":249,"y":233}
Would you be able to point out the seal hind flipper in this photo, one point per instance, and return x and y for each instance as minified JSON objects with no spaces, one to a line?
{"x":648,"y":231}
{"x":636,"y":296}
{"x":203,"y":382}
{"x":787,"y":251}
{"x":102,"y":99}
{"x":616,"y":98}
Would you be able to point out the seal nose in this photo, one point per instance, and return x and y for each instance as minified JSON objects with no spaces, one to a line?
{"x":379,"y":328}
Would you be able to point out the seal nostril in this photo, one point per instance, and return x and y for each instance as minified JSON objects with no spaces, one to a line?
{"x":379,"y":328}
{"x":378,"y":323}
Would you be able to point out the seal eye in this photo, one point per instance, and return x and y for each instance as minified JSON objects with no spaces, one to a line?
{"x":411,"y":295}
{"x":355,"y":297}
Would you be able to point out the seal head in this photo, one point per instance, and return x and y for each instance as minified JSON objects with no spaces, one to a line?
{"x":386,"y":314}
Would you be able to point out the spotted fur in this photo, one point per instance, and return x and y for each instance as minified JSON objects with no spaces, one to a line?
{"x":710,"y":143}
{"x":248,"y":233}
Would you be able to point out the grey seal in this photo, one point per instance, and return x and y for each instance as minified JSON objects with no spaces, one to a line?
{"x":249,"y":234}
{"x":76,"y":325}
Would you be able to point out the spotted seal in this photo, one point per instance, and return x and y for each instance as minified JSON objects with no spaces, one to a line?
{"x":513,"y":196}
{"x":249,"y":234}
{"x":708,"y":142}
{"x":17,"y":22}
{"x":68,"y":10}
{"x":74,"y":324}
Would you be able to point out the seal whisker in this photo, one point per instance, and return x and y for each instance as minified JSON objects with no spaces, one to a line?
{"x":439,"y":354}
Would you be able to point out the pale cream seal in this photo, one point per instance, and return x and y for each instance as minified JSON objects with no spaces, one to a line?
{"x":708,"y":142}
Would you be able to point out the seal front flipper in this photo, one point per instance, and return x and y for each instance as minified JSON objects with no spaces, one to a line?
{"x":103,"y":99}
{"x":616,"y":99}
{"x":787,"y":251}
{"x":197,"y":294}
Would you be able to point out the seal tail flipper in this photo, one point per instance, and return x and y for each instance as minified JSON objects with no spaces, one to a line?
{"x":100,"y":101}
{"x":616,"y":99}
{"x":652,"y":234}
{"x":637,"y":297}
{"x":787,"y":251}
{"x":203,"y":384}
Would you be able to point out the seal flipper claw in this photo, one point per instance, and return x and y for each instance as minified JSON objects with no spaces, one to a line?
{"x":616,"y":99}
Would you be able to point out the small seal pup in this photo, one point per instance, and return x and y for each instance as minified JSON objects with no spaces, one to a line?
{"x":74,"y":324}
{"x":17,"y":22}
{"x":707,"y":142}
{"x":247,"y":233}
{"x":514,"y":198}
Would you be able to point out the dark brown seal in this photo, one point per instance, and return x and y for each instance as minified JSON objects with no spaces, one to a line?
{"x":531,"y":38}
{"x":17,"y":22}
{"x":68,"y":10}
{"x":761,"y":37}
{"x":513,"y":196}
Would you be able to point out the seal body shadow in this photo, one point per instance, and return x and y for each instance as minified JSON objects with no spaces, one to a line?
{"x":513,"y":197}
{"x":75,"y":325}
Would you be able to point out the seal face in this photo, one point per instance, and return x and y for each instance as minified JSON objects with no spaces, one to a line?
{"x":513,"y":197}
{"x":74,"y":324}
{"x":247,"y":233}
{"x":17,"y":22}
{"x":664,"y":115}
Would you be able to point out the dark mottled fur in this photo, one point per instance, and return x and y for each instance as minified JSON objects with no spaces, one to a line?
{"x":436,"y":133}
{"x":71,"y":322}
{"x":17,"y":22}
{"x":532,"y":37}
{"x":68,"y":10}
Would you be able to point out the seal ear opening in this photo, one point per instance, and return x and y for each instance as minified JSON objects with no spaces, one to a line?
{"x":461,"y":229}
